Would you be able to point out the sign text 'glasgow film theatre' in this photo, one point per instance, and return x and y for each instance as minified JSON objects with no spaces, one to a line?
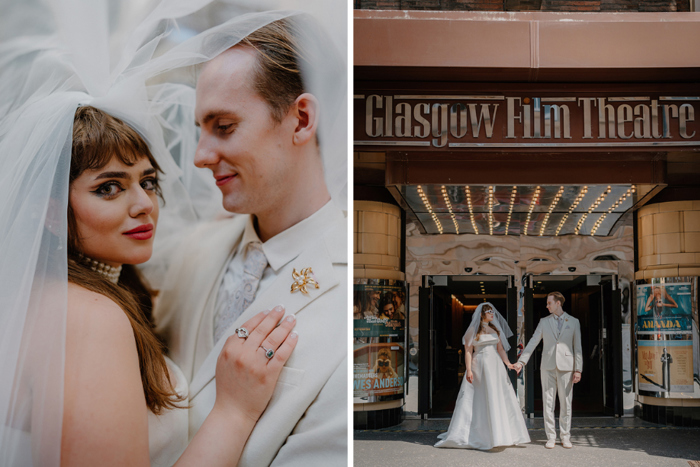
{"x":519,"y":121}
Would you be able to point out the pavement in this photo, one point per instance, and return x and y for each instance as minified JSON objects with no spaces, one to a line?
{"x":617,"y":442}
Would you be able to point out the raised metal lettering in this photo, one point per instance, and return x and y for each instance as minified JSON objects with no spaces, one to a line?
{"x":686,"y":113}
{"x":423,"y":127}
{"x":624,"y":115}
{"x":512,"y":117}
{"x":587,"y":129}
{"x":373,"y":125}
{"x":402,"y":126}
{"x":458,"y":120}
{"x":642,"y":125}
{"x":439,"y":112}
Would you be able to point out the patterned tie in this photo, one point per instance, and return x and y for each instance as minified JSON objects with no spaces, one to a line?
{"x":255,"y":264}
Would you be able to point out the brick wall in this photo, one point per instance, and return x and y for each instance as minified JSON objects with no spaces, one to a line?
{"x":525,"y":5}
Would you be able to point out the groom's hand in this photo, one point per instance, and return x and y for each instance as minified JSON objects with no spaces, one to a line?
{"x":518,"y":367}
{"x":576,"y":377}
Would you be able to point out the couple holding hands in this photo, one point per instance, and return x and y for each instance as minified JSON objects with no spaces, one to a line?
{"x":487,"y":413}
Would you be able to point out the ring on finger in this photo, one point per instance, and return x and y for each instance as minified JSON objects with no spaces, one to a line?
{"x":242,"y":333}
{"x":269,"y":353}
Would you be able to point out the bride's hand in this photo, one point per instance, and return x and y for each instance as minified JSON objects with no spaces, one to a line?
{"x":245,"y":376}
{"x":470,"y":376}
{"x":510,"y":366}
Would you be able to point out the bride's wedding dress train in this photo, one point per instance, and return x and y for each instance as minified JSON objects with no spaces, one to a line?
{"x":487,"y":413}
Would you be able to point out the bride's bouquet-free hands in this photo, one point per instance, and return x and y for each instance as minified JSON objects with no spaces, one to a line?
{"x":245,"y":375}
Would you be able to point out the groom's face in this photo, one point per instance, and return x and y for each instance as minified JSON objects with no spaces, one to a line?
{"x":552,"y":304}
{"x":247,"y":150}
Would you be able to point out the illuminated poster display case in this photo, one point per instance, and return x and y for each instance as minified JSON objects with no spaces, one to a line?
{"x":379,"y":335}
{"x":667,"y":339}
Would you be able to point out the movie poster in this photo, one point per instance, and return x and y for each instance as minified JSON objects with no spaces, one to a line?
{"x":664,"y":309}
{"x":379,"y":310}
{"x":378,"y":369}
{"x":665,"y":365}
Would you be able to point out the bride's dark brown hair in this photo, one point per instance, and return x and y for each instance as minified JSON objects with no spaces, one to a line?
{"x":97,"y":138}
{"x":484,"y":309}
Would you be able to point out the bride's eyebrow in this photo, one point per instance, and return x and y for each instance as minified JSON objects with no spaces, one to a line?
{"x":112,"y":175}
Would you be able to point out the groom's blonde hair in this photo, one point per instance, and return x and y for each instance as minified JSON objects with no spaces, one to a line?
{"x":277,"y":73}
{"x":558,"y":297}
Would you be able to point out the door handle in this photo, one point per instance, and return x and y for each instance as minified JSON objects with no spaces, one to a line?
{"x":595,"y":349}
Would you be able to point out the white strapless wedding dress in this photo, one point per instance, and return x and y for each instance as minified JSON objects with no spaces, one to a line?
{"x":487,"y":413}
{"x":167,"y":432}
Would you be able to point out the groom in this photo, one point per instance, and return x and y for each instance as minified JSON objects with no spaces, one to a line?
{"x":560,"y":368}
{"x":258,"y":137}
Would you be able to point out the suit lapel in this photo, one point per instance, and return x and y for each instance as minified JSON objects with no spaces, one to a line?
{"x":278,"y":293}
{"x":565,"y":317}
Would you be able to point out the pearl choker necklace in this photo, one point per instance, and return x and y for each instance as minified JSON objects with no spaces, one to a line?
{"x":110,"y":272}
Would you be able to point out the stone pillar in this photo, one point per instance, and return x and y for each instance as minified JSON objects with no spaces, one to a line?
{"x":377,"y":255}
{"x":377,"y":240}
{"x":668,"y":246}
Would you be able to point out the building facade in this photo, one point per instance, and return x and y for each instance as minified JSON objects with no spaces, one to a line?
{"x":522,"y":152}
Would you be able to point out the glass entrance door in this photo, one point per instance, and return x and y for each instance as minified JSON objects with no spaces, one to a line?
{"x":592,"y":299}
{"x":446,"y":307}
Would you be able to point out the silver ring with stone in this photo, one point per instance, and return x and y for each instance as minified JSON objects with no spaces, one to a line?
{"x":269,"y":353}
{"x":242,"y":333}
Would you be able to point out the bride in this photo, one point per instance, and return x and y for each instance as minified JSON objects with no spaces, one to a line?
{"x":88,"y":141}
{"x":487,"y":413}
{"x":112,"y":214}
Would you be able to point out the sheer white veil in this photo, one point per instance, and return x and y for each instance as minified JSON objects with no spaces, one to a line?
{"x":139,"y":66}
{"x":498,"y":321}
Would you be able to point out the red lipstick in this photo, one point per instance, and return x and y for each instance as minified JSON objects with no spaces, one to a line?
{"x":142,"y":232}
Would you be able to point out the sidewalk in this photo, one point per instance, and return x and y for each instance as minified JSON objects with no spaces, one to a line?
{"x":597,"y":442}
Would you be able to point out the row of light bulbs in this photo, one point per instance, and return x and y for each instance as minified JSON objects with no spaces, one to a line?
{"x":593,"y":205}
{"x":490,"y":210}
{"x":551,"y":208}
{"x":577,"y":200}
{"x":513,"y":193}
{"x":457,"y":300}
{"x":557,"y":198}
{"x":615,"y":205}
{"x":449,"y":208}
{"x":427,"y":205}
{"x":468,"y":195}
{"x":535,"y":197}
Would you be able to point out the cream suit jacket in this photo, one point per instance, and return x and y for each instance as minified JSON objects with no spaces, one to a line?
{"x":562,"y":353}
{"x":305,"y":423}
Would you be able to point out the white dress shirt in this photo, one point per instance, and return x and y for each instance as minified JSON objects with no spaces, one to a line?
{"x":560,"y":322}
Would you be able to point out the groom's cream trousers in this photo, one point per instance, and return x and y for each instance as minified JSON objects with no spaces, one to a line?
{"x":553,"y":382}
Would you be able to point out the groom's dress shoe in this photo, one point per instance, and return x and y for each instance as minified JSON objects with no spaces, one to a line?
{"x":567,"y":444}
{"x":550,"y":444}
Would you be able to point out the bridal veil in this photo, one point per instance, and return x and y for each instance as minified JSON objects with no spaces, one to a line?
{"x":139,"y":64}
{"x":499,"y":322}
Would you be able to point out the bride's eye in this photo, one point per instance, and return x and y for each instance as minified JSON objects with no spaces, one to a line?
{"x":150,"y":184}
{"x":109,"y":190}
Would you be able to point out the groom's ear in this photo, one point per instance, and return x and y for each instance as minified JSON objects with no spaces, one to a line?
{"x":306,"y":110}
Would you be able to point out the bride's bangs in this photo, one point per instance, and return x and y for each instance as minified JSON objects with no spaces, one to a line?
{"x":99,"y":137}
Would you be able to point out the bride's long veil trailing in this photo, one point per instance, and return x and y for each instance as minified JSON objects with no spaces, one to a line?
{"x":137,"y":65}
